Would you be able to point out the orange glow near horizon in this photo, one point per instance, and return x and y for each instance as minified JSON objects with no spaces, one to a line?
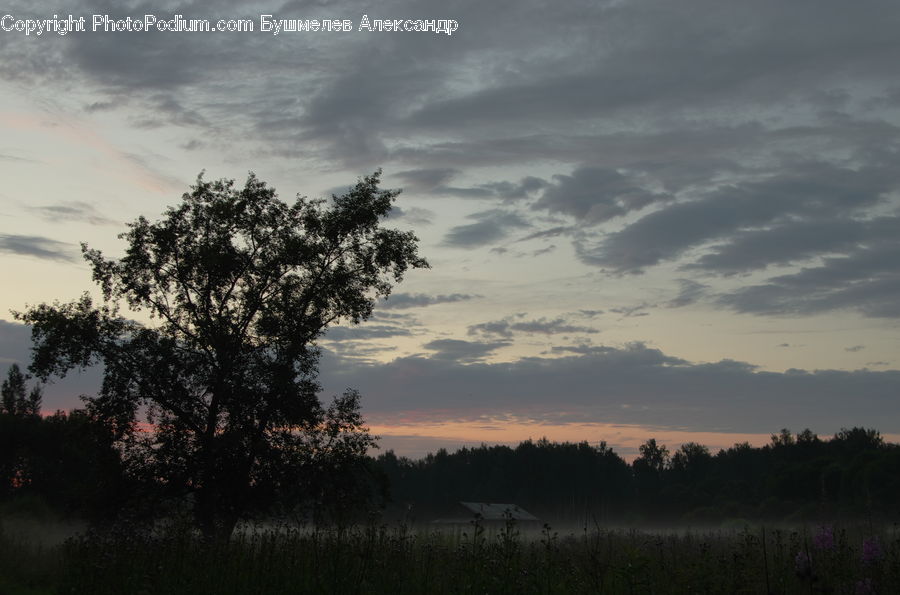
{"x":415,"y":438}
{"x":422,"y":437}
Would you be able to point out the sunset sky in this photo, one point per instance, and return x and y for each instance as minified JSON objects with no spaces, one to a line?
{"x":643,"y":217}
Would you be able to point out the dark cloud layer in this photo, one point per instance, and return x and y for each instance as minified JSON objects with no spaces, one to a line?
{"x":633,"y":384}
{"x":464,"y":352}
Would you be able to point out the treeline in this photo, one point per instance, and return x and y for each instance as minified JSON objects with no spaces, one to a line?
{"x":801,"y":477}
{"x":69,"y":463}
{"x":65,"y":463}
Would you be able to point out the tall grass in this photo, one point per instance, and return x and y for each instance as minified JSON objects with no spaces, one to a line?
{"x":397,"y":560}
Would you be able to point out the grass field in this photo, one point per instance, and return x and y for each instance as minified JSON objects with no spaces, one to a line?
{"x":816,"y":559}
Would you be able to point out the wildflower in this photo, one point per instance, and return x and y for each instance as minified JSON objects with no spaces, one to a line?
{"x":865,"y":587}
{"x":824,"y":539}
{"x":871,"y":550}
{"x":802,"y":565}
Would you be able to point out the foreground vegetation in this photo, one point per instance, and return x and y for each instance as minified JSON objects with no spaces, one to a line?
{"x":63,"y":466}
{"x":377,"y":559}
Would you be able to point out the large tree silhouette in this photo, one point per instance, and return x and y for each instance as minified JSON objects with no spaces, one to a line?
{"x":238,"y":286}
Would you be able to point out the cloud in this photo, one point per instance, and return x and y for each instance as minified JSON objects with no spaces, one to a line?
{"x":548,"y":233}
{"x":629,"y":384}
{"x":542,"y":251}
{"x":689,"y":293}
{"x":431,"y":103}
{"x":504,"y":190}
{"x":340,"y":112}
{"x":679,"y":155}
{"x":392,"y":317}
{"x":166,"y":109}
{"x":399,"y":301}
{"x":866,"y":280}
{"x":805,"y":191}
{"x":645,"y":58}
{"x":794,"y":241}
{"x":620,"y":85}
{"x":515,"y":190}
{"x":361,"y":350}
{"x":37,"y":247}
{"x":464,"y":192}
{"x":464,"y":352}
{"x":72,"y":211}
{"x":596,"y":194}
{"x":506,"y":327}
{"x":633,"y":311}
{"x":648,"y":134}
{"x":427,"y":178}
{"x":413,"y":215}
{"x":366,"y":331}
{"x":490,"y":227}
{"x":14,"y":158}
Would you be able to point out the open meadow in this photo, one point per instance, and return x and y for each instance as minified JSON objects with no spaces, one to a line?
{"x":474,"y":559}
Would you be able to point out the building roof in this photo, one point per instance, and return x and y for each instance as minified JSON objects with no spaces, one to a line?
{"x":493,"y":511}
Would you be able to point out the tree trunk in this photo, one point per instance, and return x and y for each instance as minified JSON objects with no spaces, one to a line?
{"x":213,"y":515}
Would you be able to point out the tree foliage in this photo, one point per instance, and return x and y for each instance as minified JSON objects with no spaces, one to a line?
{"x":854,"y":475}
{"x":238,"y":286}
{"x":13,"y":399}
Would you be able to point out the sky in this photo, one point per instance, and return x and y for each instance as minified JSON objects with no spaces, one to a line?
{"x":643,"y":217}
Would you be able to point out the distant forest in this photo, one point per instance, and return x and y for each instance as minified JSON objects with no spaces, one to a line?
{"x":66,"y":463}
{"x":794,"y":478}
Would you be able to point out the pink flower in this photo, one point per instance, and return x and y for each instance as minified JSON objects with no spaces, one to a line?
{"x":824,"y":539}
{"x":871,"y":550}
